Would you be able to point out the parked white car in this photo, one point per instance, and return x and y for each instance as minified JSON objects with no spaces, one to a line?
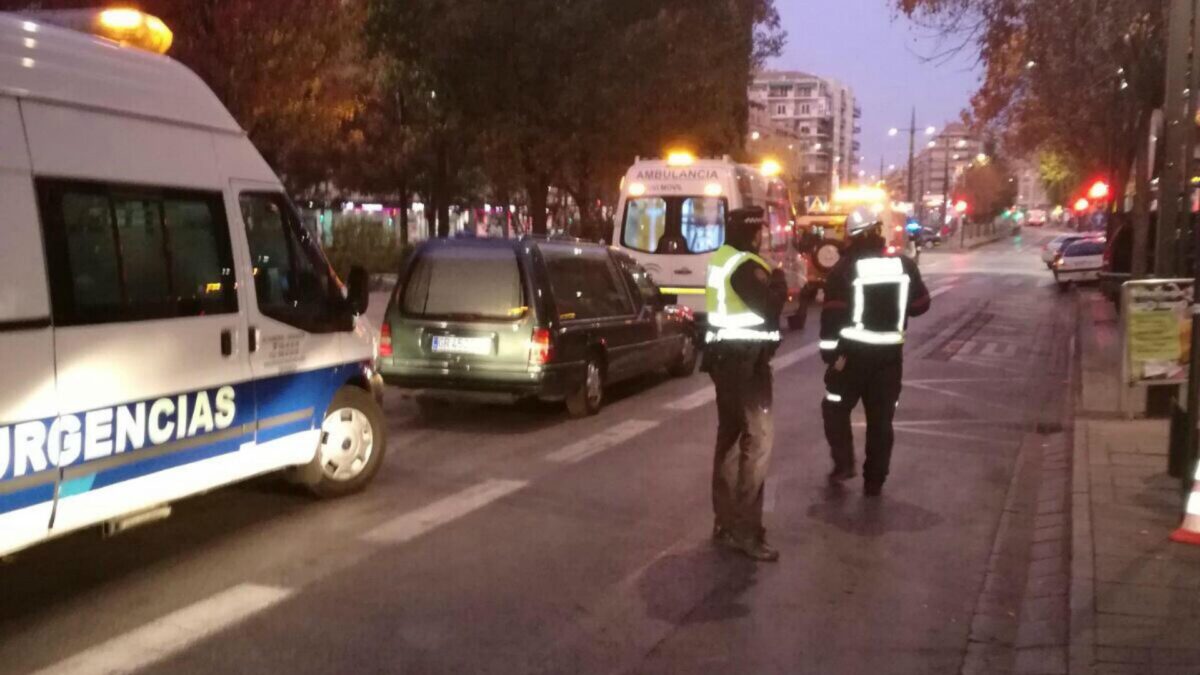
{"x":1079,"y":261}
{"x":1055,"y":246}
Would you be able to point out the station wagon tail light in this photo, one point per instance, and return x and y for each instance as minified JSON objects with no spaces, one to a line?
{"x":540,"y":348}
{"x":385,"y":339}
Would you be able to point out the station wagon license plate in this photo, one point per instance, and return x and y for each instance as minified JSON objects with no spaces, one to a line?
{"x":454,"y":344}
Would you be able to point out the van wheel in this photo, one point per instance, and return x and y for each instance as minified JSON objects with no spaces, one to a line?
{"x":685,"y":364}
{"x":352,"y":445}
{"x":589,"y":396}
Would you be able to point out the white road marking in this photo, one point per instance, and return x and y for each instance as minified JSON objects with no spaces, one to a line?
{"x":1013,"y":282}
{"x":941,"y":291}
{"x":171,"y":634}
{"x":947,"y":434}
{"x":596,"y":443}
{"x":693,"y":400}
{"x":955,"y":394}
{"x":702,"y":397}
{"x":413,"y":524}
{"x":999,"y":350}
{"x":968,"y":347}
{"x":795,"y":356}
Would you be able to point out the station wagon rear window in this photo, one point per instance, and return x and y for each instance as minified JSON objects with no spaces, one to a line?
{"x":465,"y":283}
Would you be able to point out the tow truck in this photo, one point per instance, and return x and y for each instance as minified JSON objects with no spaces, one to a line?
{"x":821,"y":233}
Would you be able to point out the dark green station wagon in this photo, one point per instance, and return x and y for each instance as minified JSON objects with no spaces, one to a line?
{"x":508,"y":319}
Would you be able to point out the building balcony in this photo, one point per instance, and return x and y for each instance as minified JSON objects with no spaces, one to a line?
{"x":856,"y":146}
{"x":857,"y":112}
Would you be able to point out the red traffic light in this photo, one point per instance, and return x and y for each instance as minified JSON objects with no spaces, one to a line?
{"x":961,"y":206}
{"x":1098,"y":191}
{"x":1082,"y":205}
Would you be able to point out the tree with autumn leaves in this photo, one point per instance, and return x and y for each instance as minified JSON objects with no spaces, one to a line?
{"x":1072,"y":83}
{"x":458,"y":100}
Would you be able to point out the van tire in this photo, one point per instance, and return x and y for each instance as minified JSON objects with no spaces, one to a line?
{"x":587,"y":399}
{"x":363,"y":419}
{"x":685,"y":364}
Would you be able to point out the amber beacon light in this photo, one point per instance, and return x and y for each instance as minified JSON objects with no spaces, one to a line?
{"x":133,"y":28}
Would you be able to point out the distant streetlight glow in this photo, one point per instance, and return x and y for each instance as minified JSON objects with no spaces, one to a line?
{"x":893,"y":131}
{"x":929,"y":131}
{"x":754,"y":136}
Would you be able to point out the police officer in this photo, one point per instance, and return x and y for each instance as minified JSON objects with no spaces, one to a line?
{"x":744,"y":300}
{"x":868,"y":298}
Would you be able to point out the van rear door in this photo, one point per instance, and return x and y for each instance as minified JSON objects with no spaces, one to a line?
{"x":27,"y":402}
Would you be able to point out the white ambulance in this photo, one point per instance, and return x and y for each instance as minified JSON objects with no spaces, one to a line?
{"x":671,"y":218}
{"x":166,"y":324}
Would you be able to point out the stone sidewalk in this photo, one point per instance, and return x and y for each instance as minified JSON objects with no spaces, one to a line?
{"x":1135,"y":596}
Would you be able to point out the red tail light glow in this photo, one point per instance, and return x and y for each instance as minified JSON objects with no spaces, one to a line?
{"x":891,"y":250}
{"x":541,"y":351}
{"x":385,"y":340}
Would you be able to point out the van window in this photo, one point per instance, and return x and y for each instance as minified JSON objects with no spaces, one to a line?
{"x":645,"y":223}
{"x":465,"y":283}
{"x":674,"y":225}
{"x":293,"y":282}
{"x":585,"y":283}
{"x":118,"y":253}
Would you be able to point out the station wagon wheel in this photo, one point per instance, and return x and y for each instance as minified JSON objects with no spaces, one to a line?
{"x":587,"y":398}
{"x":351,"y":445}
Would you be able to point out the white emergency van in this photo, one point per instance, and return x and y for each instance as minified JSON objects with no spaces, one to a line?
{"x":166,"y":324}
{"x":671,"y":218}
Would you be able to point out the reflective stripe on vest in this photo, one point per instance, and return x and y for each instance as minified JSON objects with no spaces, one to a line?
{"x":872,"y":272}
{"x":727,"y":312}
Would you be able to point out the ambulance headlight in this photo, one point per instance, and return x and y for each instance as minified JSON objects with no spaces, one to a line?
{"x":712,"y":190}
{"x":637,"y":189}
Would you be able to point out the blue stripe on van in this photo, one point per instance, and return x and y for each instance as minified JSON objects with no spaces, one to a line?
{"x":20,"y":499}
{"x":310,"y":391}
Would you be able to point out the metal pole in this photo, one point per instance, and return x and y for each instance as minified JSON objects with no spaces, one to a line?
{"x":912,"y":140}
{"x":946,"y":184}
{"x":1185,"y":213}
{"x":1167,"y":261}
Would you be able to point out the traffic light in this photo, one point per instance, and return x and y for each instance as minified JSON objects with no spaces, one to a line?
{"x":1099,"y":191}
{"x":1082,"y":205}
{"x":961,"y":206}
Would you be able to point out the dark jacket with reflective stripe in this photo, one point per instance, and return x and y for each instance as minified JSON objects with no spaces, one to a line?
{"x":838,"y":310}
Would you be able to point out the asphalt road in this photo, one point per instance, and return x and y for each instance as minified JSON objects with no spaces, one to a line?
{"x":514,"y":540}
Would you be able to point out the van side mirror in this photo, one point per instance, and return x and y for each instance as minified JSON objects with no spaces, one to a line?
{"x":358,"y":292}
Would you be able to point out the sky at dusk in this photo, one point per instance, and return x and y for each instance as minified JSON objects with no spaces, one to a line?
{"x":864,"y":44}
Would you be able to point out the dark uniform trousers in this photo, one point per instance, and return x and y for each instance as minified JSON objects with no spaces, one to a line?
{"x":741,"y":372}
{"x":872,"y":374}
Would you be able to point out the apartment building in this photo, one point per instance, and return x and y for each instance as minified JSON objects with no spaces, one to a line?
{"x":823,"y":115}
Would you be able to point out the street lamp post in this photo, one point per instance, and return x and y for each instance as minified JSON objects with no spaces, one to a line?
{"x":912,"y":148}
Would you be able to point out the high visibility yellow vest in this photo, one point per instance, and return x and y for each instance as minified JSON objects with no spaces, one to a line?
{"x":729,"y":318}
